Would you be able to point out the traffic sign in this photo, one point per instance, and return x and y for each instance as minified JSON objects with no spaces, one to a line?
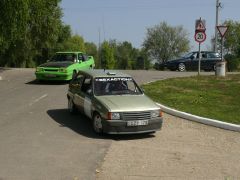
{"x":222,"y":30}
{"x":200,"y":25}
{"x":200,"y":36}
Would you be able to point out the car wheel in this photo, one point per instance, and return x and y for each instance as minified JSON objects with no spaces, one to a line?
{"x":97,"y":123}
{"x":214,"y":67}
{"x":181,"y":67}
{"x":74,"y":74}
{"x":71,"y":106}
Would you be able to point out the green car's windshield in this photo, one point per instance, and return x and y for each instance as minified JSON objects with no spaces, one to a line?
{"x":115,"y":86}
{"x":63,"y":57}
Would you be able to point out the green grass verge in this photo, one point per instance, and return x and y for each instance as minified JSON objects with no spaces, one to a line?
{"x":206,"y":96}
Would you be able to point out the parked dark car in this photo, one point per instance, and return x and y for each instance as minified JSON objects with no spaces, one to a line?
{"x":190,"y":61}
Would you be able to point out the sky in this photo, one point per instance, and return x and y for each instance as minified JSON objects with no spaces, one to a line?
{"x":128,"y":20}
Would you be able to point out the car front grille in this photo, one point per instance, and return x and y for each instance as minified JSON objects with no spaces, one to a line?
{"x":141,"y":115}
{"x":51,"y":70}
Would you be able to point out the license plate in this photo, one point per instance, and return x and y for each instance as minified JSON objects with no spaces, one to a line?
{"x":50,"y":75}
{"x":137,"y":123}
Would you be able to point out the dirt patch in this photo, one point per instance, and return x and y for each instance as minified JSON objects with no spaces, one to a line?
{"x":181,"y":150}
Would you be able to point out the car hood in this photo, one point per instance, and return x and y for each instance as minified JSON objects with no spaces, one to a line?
{"x":57,"y":64}
{"x":127,"y":103}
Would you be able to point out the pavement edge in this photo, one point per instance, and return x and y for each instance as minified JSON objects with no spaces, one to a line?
{"x":207,"y":121}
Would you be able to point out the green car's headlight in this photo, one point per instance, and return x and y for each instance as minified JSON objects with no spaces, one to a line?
{"x":114,"y":115}
{"x":39,"y":69}
{"x":64,"y":70}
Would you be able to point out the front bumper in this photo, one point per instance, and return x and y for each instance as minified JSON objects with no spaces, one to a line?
{"x":53,"y":76}
{"x":120,"y":126}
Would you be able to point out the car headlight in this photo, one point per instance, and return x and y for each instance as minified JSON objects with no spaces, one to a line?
{"x":64,"y":70}
{"x":156,"y":113}
{"x":114,"y":115}
{"x":39,"y":69}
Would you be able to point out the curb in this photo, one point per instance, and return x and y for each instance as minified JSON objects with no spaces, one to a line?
{"x":207,"y":121}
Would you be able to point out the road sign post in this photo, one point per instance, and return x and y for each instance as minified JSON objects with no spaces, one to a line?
{"x":221,"y":66}
{"x":200,"y":36}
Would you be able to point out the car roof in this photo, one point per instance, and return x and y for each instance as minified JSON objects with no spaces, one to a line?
{"x":104,"y":73}
{"x":204,"y":52}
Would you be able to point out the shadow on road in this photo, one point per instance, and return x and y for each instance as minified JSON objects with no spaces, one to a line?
{"x":83,"y":126}
{"x":37,"y":82}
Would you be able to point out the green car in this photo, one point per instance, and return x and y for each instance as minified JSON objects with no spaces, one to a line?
{"x":114,"y":102}
{"x":64,"y":66}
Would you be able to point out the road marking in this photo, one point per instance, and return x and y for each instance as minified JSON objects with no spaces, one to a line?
{"x":0,"y":78}
{"x":38,"y":99}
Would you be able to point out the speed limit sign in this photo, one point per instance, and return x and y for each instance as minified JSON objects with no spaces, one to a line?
{"x":200,"y":36}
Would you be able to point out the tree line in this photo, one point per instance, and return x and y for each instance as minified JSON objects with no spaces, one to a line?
{"x":31,"y":31}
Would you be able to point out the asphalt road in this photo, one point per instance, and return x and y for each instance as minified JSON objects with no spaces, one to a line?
{"x":39,"y":139}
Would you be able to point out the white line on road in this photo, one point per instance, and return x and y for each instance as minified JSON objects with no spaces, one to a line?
{"x":38,"y":99}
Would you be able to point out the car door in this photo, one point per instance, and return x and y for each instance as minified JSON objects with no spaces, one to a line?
{"x":193,"y":63}
{"x":84,"y":96}
{"x":212,"y":59}
{"x":204,"y":61}
{"x":75,"y":88}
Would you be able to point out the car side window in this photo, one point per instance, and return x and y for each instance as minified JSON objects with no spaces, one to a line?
{"x":87,"y":85}
{"x":77,"y":80}
{"x":204,"y":55}
{"x":80,"y":57}
{"x":213,"y":55}
{"x":85,"y":57}
{"x":194,"y":55}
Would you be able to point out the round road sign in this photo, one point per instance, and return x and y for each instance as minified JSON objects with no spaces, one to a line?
{"x":200,"y":36}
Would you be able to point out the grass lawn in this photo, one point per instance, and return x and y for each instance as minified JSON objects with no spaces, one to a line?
{"x":207,"y":96}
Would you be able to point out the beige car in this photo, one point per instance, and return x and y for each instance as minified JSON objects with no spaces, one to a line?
{"x":114,"y":102}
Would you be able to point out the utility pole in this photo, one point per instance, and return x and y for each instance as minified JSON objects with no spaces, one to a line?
{"x":218,"y":5}
{"x":99,"y":48}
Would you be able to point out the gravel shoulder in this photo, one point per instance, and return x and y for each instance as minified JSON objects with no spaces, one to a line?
{"x":181,"y":150}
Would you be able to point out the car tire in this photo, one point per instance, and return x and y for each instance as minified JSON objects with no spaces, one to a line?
{"x":71,"y":106}
{"x":97,"y":123}
{"x":181,"y":67}
{"x":214,"y":67}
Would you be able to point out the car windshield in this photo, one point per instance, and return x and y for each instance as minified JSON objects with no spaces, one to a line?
{"x":63,"y":57}
{"x":115,"y":86}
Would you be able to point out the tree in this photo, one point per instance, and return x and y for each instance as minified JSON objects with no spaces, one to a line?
{"x":74,"y":43}
{"x":232,"y":45}
{"x":123,"y":55}
{"x":164,"y":42}
{"x":27,"y":28}
{"x":232,"y":38}
{"x":141,"y":60}
{"x":91,"y":49}
{"x":107,"y":56}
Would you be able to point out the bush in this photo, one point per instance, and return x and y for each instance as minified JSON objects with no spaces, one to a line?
{"x":232,"y":62}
